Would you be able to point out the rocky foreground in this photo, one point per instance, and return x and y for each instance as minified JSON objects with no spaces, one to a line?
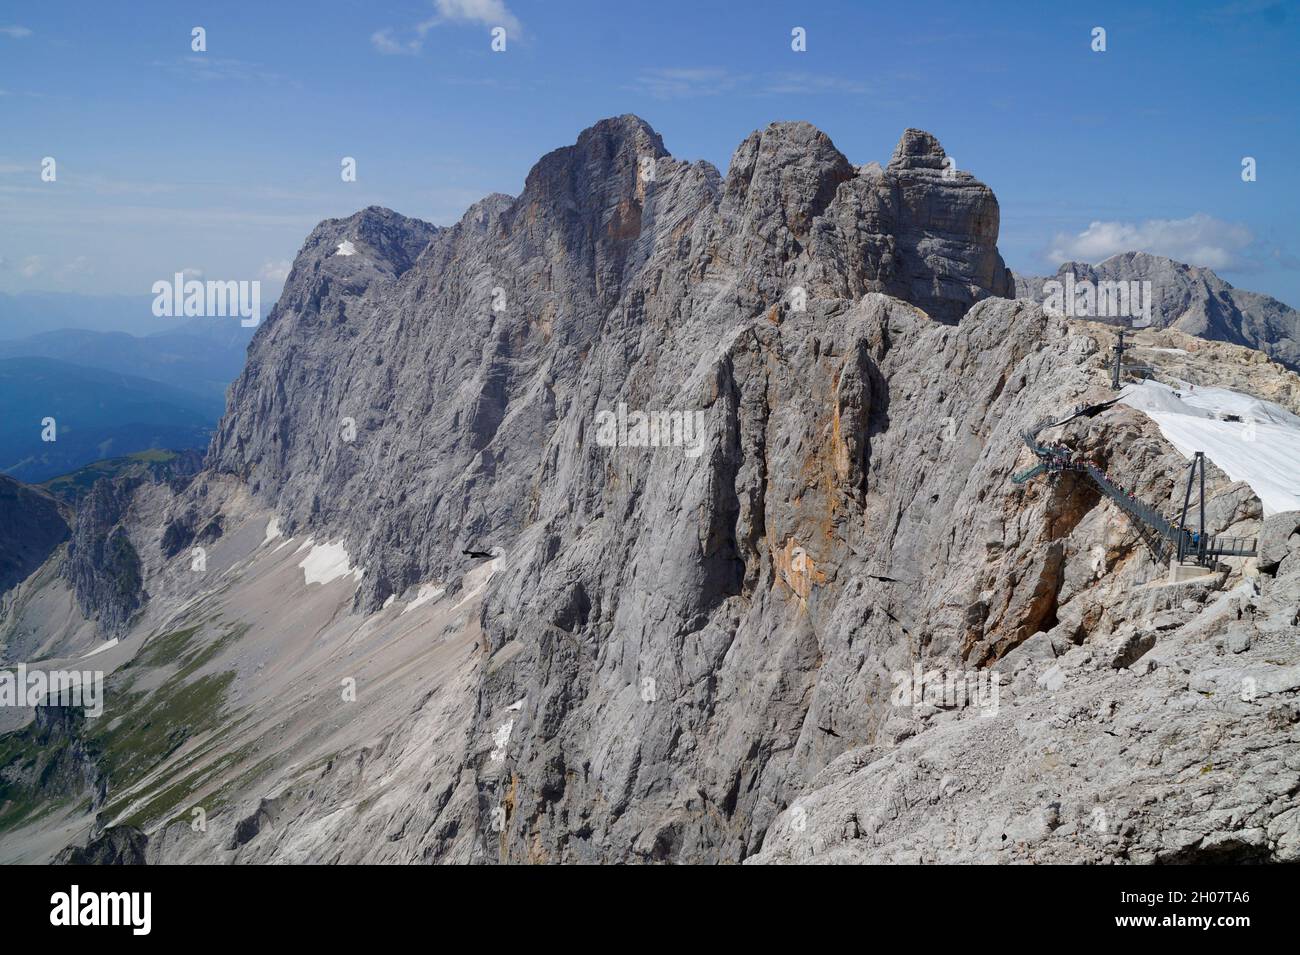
{"x":671,"y":656}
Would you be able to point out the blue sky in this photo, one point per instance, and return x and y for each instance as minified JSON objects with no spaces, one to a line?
{"x":223,"y":161}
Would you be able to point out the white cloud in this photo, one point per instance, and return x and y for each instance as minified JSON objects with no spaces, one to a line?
{"x":17,"y":32}
{"x":488,"y":13}
{"x":276,"y":271}
{"x":810,"y":83}
{"x":32,"y":266}
{"x":221,"y":69}
{"x":387,"y":44}
{"x":1197,"y":240}
{"x":684,"y":82}
{"x":188,"y":274}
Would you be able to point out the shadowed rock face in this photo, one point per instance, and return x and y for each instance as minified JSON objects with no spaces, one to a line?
{"x":948,"y":232}
{"x":1192,"y":300}
{"x":102,"y":564}
{"x":53,"y":762}
{"x":32,"y":525}
{"x":119,"y":845}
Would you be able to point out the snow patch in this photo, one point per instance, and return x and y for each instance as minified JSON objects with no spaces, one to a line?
{"x":272,"y":531}
{"x":479,"y":577}
{"x":1262,"y":448}
{"x":428,"y":593}
{"x":346,"y":248}
{"x":101,"y":648}
{"x":500,"y":740}
{"x":327,"y":562}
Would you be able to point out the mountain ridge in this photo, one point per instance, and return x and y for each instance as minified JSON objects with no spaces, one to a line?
{"x":1191,"y":299}
{"x":417,"y":608}
{"x":788,"y":197}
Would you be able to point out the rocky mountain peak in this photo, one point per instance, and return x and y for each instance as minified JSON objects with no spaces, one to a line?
{"x":917,"y":150}
{"x":384,"y":240}
{"x":607,"y":159}
{"x":788,"y":171}
{"x":453,"y":350}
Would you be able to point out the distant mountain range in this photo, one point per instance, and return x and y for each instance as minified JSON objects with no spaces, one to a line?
{"x":111,"y":393}
{"x":1190,"y":299}
{"x":97,"y":414}
{"x":200,"y":357}
{"x":31,"y":313}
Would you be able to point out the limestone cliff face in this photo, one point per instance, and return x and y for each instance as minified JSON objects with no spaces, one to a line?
{"x":678,"y":643}
{"x":687,"y":644}
{"x":416,"y":388}
{"x":704,"y":640}
{"x":102,"y":564}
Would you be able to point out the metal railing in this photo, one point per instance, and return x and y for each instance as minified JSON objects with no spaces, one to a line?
{"x":1160,"y":535}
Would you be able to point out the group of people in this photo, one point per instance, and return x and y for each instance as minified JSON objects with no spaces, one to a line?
{"x":1126,"y":492}
{"x":1065,"y":456}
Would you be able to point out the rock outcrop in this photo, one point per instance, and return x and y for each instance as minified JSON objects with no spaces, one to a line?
{"x":1279,"y":536}
{"x":946,"y":232}
{"x":48,"y":762}
{"x":102,"y":563}
{"x":120,"y":845}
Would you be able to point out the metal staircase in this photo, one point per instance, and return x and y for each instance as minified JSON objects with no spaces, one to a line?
{"x":1162,"y":538}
